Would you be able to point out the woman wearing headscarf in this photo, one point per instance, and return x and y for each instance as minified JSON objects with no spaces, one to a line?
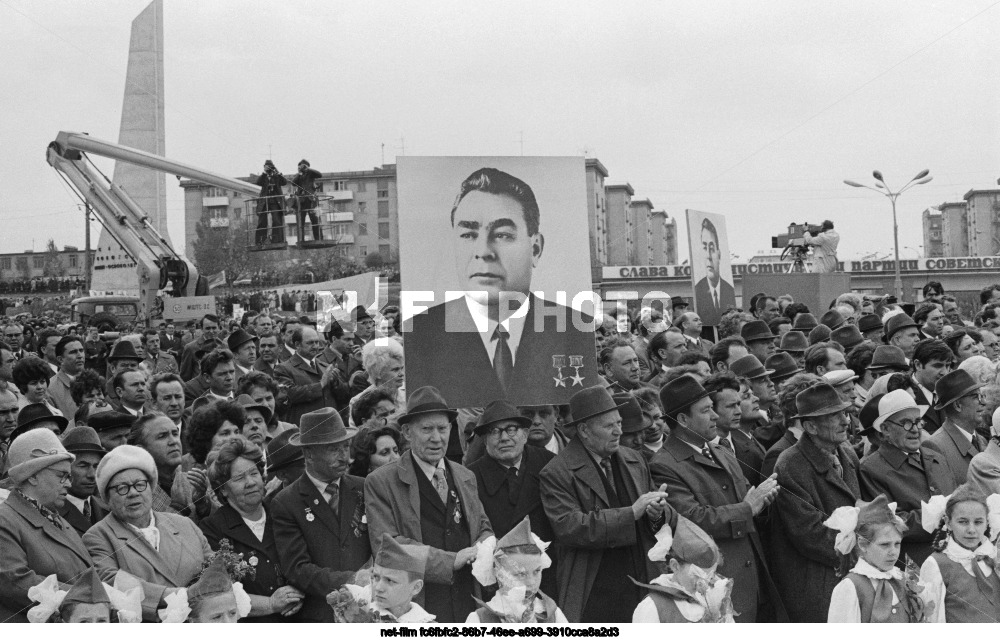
{"x":236,"y":473}
{"x":35,"y":541}
{"x":165,"y":551}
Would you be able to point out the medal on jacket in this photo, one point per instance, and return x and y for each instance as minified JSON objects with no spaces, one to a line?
{"x":309,"y":515}
{"x":559,"y":362}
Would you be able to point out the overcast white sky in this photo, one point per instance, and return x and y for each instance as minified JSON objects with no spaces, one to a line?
{"x":757,"y":111}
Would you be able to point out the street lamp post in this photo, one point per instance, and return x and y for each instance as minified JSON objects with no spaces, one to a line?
{"x":881,"y":188}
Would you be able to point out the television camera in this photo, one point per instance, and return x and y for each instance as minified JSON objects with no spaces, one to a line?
{"x":793,"y":243}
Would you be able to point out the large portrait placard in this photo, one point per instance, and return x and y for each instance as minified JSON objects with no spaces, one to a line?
{"x":496,"y":292}
{"x":711,"y":271}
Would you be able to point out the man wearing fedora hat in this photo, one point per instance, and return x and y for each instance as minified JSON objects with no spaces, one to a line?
{"x":870,"y":326}
{"x":508,"y":476}
{"x":319,"y":520}
{"x":82,"y":507}
{"x":244,"y":349}
{"x":817,"y":475}
{"x":794,"y":343}
{"x":932,"y":359}
{"x":759,"y":339}
{"x":957,"y":441}
{"x":123,"y":358}
{"x":604,"y":511}
{"x":705,"y":484}
{"x":425,"y":498}
{"x":903,"y":332}
{"x":906,"y":471}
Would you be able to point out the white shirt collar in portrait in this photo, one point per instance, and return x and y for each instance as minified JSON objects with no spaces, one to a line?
{"x":514,"y":324}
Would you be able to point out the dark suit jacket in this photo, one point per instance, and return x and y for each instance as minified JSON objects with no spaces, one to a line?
{"x":444,"y":349}
{"x":750,"y":453}
{"x":950,"y":441}
{"x":906,"y":481}
{"x":191,"y":356}
{"x":710,"y":492}
{"x":322,"y":553}
{"x":226,"y":523}
{"x":771,"y":458}
{"x":802,"y":559}
{"x":585,"y":524}
{"x":183,"y":550}
{"x":193,"y":389}
{"x":703,"y":304}
{"x":491,"y":480}
{"x":392,"y":498}
{"x":305,"y":393}
{"x":76,"y":518}
{"x":263,"y":366}
{"x":31,"y":549}
{"x":933,"y":419}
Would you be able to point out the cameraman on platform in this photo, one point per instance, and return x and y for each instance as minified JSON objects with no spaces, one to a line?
{"x":272,"y":201}
{"x":824,"y":246}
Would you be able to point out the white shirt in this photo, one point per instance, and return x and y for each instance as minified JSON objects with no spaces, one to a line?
{"x":844,"y":604}
{"x":257,"y":527}
{"x":553,"y":445}
{"x":928,"y":394}
{"x":131,"y":411}
{"x":930,"y":573}
{"x":78,"y":503}
{"x":429,"y":469}
{"x":514,"y":324}
{"x":321,"y":486}
{"x":150,"y":532}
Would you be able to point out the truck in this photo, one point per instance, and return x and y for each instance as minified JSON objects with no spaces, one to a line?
{"x":163,"y":272}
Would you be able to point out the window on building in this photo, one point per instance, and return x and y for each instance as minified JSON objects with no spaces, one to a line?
{"x":362,"y":207}
{"x":383,"y":193}
{"x":383,"y":209}
{"x":5,"y":263}
{"x":335,"y":185}
{"x":37,"y":262}
{"x":362,"y":251}
{"x":362,"y":229}
{"x":74,"y":260}
{"x":383,"y":230}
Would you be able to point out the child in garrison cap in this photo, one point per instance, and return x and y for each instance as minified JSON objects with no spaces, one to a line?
{"x":875,"y":590}
{"x":514,"y":564}
{"x":87,"y":601}
{"x":396,"y":578}
{"x":691,"y":592}
{"x":213,"y":598}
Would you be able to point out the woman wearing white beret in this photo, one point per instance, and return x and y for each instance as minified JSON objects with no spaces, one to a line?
{"x":165,"y":551}
{"x":34,"y":540}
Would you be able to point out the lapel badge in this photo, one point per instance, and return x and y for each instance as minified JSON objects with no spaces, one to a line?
{"x":576,"y":362}
{"x":309,"y":515}
{"x":559,"y":362}
{"x":253,"y":561}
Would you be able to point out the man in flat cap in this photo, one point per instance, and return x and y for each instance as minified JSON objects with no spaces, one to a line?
{"x":604,"y":511}
{"x":83,"y":508}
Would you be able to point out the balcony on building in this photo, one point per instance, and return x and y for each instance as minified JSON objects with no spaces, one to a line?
{"x":341,"y":195}
{"x":215,"y":201}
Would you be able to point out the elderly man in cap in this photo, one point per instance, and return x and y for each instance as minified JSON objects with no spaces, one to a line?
{"x":508,"y":476}
{"x":705,"y":484}
{"x":870,"y":326}
{"x":112,"y":428}
{"x":82,"y":507}
{"x":794,"y":343}
{"x":604,"y":511}
{"x":319,"y":520}
{"x":635,"y":424}
{"x":817,"y":475}
{"x":35,"y":541}
{"x":931,"y":360}
{"x":123,"y":358}
{"x":424,"y":498}
{"x":903,"y":332}
{"x":905,"y":471}
{"x":759,"y":339}
{"x":958,"y":400}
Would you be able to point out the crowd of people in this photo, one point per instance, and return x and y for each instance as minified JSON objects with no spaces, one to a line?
{"x":809,"y":466}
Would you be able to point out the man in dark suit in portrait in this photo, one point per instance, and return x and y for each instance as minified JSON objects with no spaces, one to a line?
{"x":713,"y":294}
{"x":500,"y":340}
{"x":82,"y":507}
{"x":508,"y":477}
{"x":319,"y":520}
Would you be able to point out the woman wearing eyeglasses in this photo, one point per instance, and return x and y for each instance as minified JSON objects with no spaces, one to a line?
{"x":904,"y":469}
{"x":35,"y":541}
{"x":165,"y":551}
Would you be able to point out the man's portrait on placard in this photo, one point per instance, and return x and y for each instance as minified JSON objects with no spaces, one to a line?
{"x":711,"y":271}
{"x":500,"y":248}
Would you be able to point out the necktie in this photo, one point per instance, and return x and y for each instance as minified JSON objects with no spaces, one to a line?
{"x":333,"y":489}
{"x":835,"y":461}
{"x":503,"y":360}
{"x":724,"y":442}
{"x":606,"y":466}
{"x":87,"y":513}
{"x":513,"y":488}
{"x":441,"y":485}
{"x":715,"y":299}
{"x":975,"y":443}
{"x":882,"y":607}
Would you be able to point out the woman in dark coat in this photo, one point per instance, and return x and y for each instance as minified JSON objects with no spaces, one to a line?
{"x":236,"y":472}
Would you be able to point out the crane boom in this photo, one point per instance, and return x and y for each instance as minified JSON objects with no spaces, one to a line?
{"x":159,"y":264}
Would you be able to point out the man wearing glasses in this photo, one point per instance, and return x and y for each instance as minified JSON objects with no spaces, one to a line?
{"x":958,"y":399}
{"x":507,"y":477}
{"x":904,"y":469}
{"x":13,"y":335}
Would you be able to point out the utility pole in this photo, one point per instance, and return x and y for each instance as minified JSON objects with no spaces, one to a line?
{"x":383,"y":154}
{"x":86,"y":246}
